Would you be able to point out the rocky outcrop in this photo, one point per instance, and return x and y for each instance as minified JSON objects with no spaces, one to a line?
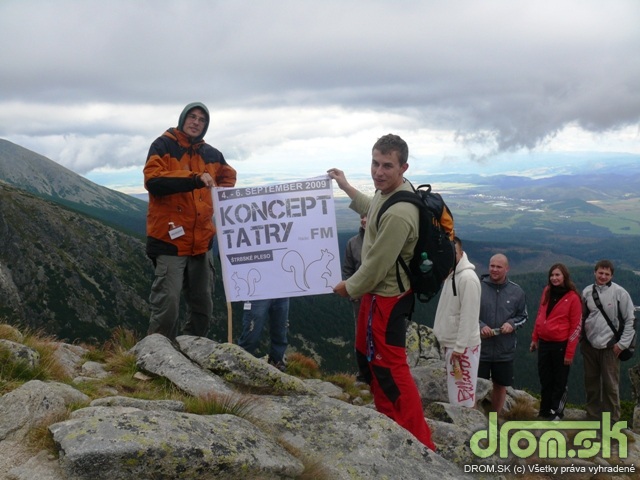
{"x":33,"y":404}
{"x":157,"y":355}
{"x":26,"y":355}
{"x":287,"y":428}
{"x":125,"y":443}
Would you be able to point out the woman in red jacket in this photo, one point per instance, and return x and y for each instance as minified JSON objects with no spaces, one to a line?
{"x":555,"y":335}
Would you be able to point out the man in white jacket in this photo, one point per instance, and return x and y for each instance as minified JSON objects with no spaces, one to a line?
{"x":600,"y":346}
{"x":457,"y":331}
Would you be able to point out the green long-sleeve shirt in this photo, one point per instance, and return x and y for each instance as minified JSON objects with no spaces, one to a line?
{"x":396,"y":234}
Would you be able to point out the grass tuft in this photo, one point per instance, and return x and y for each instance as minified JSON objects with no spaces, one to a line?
{"x":522,"y":409}
{"x":122,"y":340}
{"x":7,"y":332}
{"x":221,"y":404}
{"x":40,"y":438}
{"x":302,"y":366}
{"x":122,"y":363}
{"x":14,"y":371}
{"x":314,"y":469}
{"x":347,"y":382}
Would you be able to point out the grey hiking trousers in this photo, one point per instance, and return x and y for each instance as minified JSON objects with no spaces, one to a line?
{"x":193,"y":275}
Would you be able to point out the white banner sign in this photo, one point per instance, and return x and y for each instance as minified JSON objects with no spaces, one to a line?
{"x":277,"y":241}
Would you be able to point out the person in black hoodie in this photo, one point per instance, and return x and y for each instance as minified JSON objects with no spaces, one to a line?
{"x":352,"y":260}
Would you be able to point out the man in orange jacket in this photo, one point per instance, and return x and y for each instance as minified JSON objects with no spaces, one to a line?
{"x":179,"y":173}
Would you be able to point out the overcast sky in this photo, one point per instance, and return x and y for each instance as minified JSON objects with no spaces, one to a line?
{"x":296,"y":87}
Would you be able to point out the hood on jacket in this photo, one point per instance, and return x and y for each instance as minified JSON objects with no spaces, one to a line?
{"x":185,"y":112}
{"x":464,"y":264}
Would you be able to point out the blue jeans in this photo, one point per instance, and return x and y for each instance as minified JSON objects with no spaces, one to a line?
{"x":277,"y":312}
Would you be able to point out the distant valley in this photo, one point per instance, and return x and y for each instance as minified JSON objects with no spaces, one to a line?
{"x":576,"y":219}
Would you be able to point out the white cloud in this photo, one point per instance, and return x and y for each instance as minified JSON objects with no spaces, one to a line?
{"x":300,"y":85}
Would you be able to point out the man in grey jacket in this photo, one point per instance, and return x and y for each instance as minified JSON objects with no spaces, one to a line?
{"x":599,"y":346}
{"x":503,"y":309}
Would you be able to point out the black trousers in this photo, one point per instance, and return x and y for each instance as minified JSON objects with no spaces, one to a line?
{"x":553,"y":375}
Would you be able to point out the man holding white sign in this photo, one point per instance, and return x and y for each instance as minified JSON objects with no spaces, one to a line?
{"x":381,"y":328}
{"x":179,"y":173}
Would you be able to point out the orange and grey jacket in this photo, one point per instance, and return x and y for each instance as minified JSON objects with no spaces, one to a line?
{"x":177,"y":196}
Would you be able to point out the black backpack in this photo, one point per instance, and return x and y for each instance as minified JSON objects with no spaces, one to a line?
{"x":435,"y":238}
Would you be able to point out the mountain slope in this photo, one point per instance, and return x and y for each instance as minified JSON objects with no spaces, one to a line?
{"x":37,"y":174}
{"x":66,"y":273}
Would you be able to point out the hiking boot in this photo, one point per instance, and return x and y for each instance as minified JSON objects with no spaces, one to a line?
{"x":280,"y":365}
{"x":361,"y":381}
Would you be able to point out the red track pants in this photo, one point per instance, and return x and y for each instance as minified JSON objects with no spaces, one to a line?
{"x":382,"y":360}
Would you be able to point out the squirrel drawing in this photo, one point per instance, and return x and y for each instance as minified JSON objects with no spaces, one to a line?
{"x":306,"y":277}
{"x":248,"y":285}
